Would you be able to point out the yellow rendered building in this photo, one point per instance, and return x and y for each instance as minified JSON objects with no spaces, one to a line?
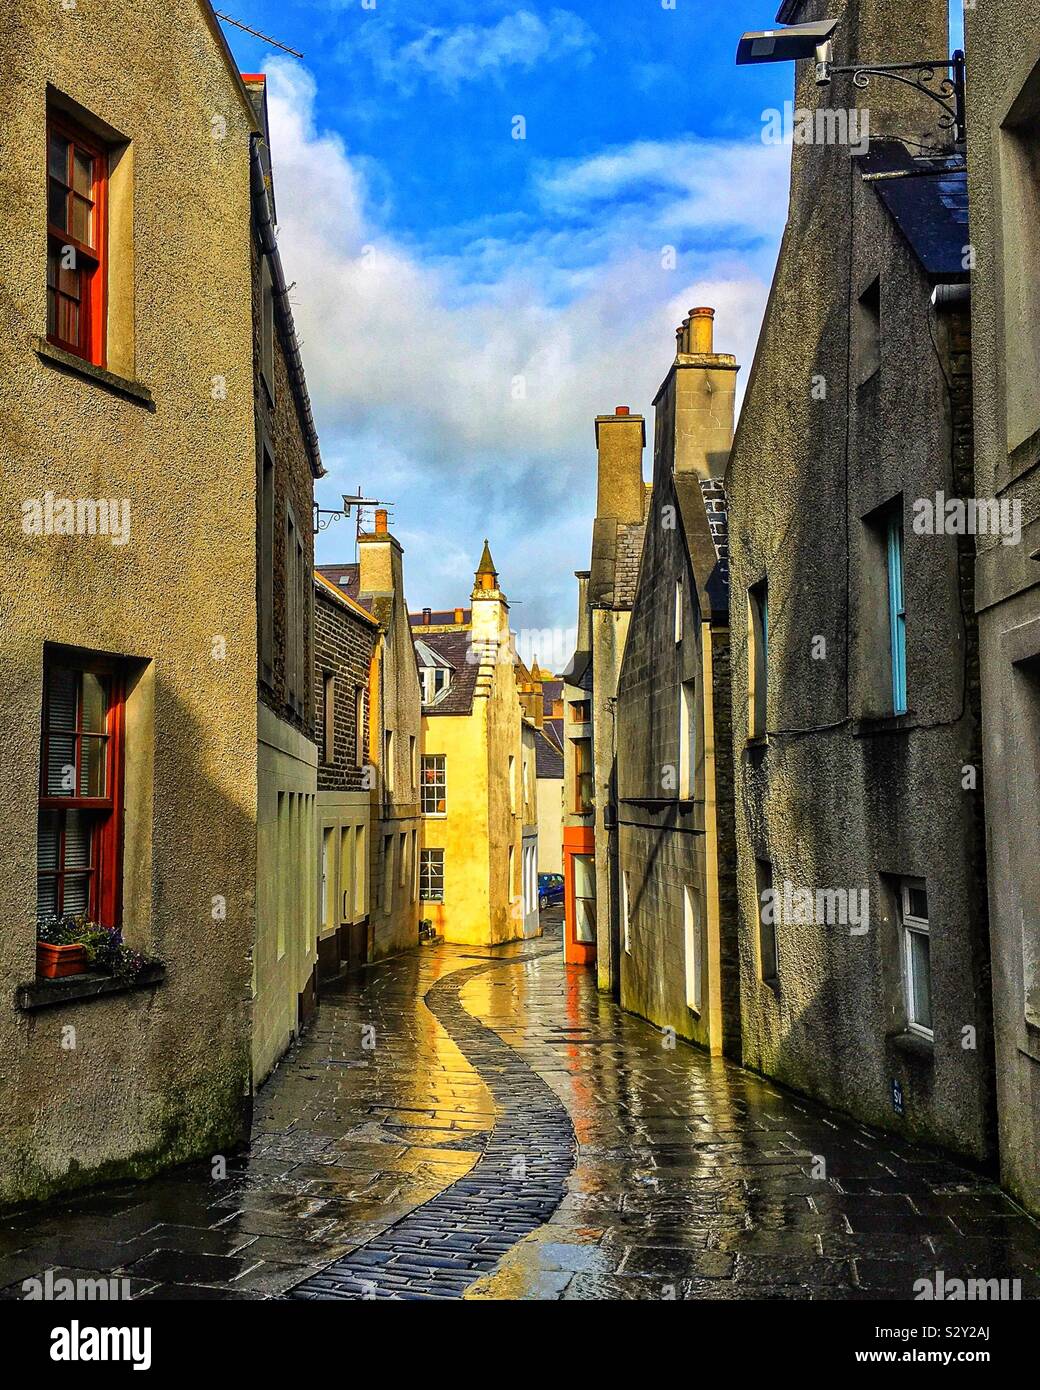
{"x":472,"y":887}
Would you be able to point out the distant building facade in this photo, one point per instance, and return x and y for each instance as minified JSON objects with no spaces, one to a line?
{"x":394,"y":733}
{"x":679,"y":964}
{"x":345,"y":640}
{"x":472,"y":758}
{"x":606,"y":590}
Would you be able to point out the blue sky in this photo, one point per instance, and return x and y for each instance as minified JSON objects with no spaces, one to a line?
{"x":468,"y":301}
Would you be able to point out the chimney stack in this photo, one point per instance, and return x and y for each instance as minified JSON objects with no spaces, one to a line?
{"x":702,"y":384}
{"x":379,"y":555}
{"x":620,"y":439}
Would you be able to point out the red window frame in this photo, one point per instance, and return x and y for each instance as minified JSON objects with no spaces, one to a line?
{"x":104,"y":870}
{"x":88,"y":281}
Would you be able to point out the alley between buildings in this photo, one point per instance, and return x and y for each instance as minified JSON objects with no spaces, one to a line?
{"x":484,"y":1124}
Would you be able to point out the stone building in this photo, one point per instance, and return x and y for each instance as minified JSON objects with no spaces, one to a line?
{"x":128,"y":710}
{"x":530,"y":693}
{"x":394,"y":728}
{"x":287,"y":463}
{"x":864,"y":964}
{"x":605,"y":598}
{"x":345,"y":638}
{"x":1003,"y":144}
{"x":549,"y":765}
{"x":676,"y":853}
{"x":472,"y":751}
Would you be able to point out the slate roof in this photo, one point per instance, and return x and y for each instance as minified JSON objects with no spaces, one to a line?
{"x":927,"y":198}
{"x":325,"y":586}
{"x":553,"y":731}
{"x":455,"y":647}
{"x":548,"y":760}
{"x":551,"y":692}
{"x":345,"y":577}
{"x":579,"y":671}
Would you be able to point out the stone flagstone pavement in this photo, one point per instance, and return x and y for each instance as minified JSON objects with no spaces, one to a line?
{"x":509,"y":1133}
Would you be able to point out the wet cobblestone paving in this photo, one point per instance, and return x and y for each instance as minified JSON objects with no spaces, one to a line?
{"x":463,"y":1123}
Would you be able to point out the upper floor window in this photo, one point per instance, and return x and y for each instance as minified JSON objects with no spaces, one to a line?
{"x":435,"y":682}
{"x":434,"y":790}
{"x":583,"y":776}
{"x":328,"y":741}
{"x":77,"y":182}
{"x":359,"y":725}
{"x":868,"y":332}
{"x":758,"y":657}
{"x":678,"y":610}
{"x":896,"y":607}
{"x":388,"y":761}
{"x":80,"y":803}
{"x":581,"y":711}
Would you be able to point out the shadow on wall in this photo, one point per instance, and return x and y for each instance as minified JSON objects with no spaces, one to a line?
{"x":123,"y":1086}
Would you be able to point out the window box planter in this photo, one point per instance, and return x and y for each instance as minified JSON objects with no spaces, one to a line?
{"x":55,"y":962}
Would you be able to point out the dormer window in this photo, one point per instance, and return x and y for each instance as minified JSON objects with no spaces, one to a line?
{"x":434,"y":674}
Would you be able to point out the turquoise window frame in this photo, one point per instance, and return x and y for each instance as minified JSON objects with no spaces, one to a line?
{"x":896,"y":611}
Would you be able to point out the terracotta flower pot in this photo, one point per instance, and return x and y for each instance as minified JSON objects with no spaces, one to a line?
{"x":54,"y":962}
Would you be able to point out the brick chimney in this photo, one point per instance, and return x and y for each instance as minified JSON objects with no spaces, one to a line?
{"x":698,"y":397}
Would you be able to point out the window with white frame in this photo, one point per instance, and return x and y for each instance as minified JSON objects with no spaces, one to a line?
{"x":626,"y":913}
{"x":678,"y":610}
{"x":434,"y":785}
{"x":431,"y":875}
{"x":916,"y":954}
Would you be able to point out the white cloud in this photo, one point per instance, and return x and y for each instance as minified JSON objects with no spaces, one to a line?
{"x":413,"y":361}
{"x":471,"y":52}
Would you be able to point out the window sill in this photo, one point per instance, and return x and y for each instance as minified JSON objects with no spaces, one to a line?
{"x":100,"y":376}
{"x":913,"y":1044}
{"x":74,"y":989}
{"x":869,"y":726}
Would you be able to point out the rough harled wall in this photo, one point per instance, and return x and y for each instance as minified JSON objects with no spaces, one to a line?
{"x":1003,"y":43}
{"x":394,"y":913}
{"x":505,"y":816}
{"x":550,"y":825}
{"x":158,"y":1076}
{"x":661,"y":835}
{"x":287,"y":869}
{"x":835,"y":800}
{"x":609,"y":632}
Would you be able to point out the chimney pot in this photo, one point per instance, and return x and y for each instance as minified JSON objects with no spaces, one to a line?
{"x":426,"y":615}
{"x":702,"y":331}
{"x":458,"y":615}
{"x":380,"y":522}
{"x":621,"y":410}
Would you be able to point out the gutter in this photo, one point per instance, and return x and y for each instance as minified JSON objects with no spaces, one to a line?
{"x":264,"y":223}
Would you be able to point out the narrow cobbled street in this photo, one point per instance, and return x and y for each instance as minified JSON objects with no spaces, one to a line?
{"x":481,"y":1124}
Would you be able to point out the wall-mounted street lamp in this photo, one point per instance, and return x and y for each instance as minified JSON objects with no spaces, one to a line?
{"x":941,"y":79}
{"x":350,"y":501}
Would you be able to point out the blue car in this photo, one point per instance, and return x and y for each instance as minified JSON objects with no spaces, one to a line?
{"x":550,"y":889}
